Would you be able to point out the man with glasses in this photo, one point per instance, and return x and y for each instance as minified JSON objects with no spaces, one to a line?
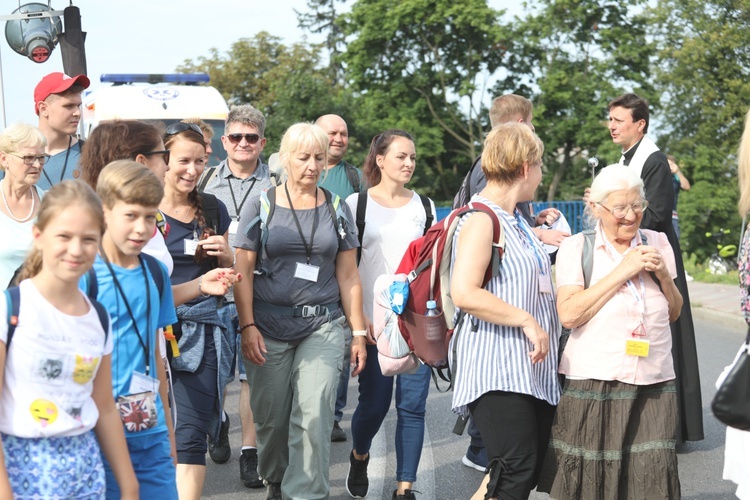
{"x":628,"y":125}
{"x":57,"y":102}
{"x":235,"y":181}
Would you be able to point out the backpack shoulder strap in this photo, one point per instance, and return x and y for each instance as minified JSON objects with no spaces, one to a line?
{"x":211,"y":211}
{"x":93,"y":289}
{"x":13,"y":300}
{"x":429,"y":216}
{"x":337,"y":212}
{"x":103,"y":317}
{"x":207,"y":176}
{"x":267,"y":205}
{"x":155,"y":269}
{"x":353,"y":176}
{"x":464,"y":192}
{"x":587,"y":256}
{"x":361,"y":212}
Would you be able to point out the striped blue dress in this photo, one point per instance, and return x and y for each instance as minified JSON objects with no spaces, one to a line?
{"x":494,"y":357}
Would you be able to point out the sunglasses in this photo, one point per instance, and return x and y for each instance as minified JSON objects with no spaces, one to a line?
{"x":237,"y":138}
{"x":179,"y":127}
{"x":29,"y":160}
{"x":164,"y":152}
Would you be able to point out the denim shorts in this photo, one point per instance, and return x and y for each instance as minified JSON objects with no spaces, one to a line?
{"x":153,"y":467}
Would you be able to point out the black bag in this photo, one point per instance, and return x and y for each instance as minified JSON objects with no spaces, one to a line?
{"x":731,"y":405}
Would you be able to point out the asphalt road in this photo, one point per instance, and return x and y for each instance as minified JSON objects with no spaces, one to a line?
{"x":443,"y":477}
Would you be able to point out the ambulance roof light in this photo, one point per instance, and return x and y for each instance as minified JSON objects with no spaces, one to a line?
{"x":184,"y":78}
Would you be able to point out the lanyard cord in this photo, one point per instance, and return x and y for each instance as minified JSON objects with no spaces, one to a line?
{"x":238,"y":209}
{"x":640,"y":300}
{"x":65,"y":165}
{"x":145,"y":345}
{"x":308,"y":250}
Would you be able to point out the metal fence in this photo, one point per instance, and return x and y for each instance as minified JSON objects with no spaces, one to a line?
{"x":572,"y":210}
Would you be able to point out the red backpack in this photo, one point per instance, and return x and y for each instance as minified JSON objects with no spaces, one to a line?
{"x":427,"y":264}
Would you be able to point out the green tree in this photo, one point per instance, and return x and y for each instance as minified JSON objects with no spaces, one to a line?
{"x":287,"y":83}
{"x":704,"y":78}
{"x":423,"y":65}
{"x":571,"y":57}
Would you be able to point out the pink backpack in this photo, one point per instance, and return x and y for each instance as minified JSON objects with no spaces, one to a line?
{"x":394,"y":355}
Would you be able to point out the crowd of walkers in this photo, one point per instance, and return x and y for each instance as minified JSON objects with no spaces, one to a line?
{"x":137,"y":292}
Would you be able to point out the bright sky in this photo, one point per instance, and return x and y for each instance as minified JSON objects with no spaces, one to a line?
{"x":144,"y":36}
{"x":148,"y":36}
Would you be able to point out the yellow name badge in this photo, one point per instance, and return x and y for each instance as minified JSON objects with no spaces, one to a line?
{"x":637,"y":347}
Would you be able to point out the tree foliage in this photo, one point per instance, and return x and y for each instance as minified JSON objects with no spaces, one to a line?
{"x":571,"y":57}
{"x":703,"y":74}
{"x":423,"y":65}
{"x":286,"y":83}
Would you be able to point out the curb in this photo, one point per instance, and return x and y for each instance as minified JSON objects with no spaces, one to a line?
{"x":726,"y":319}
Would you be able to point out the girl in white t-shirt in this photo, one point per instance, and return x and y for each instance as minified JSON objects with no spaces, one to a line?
{"x":56,"y":379}
{"x":395,"y":216}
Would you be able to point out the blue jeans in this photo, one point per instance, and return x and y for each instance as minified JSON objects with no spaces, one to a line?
{"x":343,"y":386}
{"x":375,"y":394}
{"x":228,"y":316}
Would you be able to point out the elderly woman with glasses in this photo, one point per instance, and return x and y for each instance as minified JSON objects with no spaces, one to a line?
{"x":615,"y":427}
{"x":22,"y":158}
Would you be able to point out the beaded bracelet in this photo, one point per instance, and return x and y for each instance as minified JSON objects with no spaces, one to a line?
{"x":248,"y":326}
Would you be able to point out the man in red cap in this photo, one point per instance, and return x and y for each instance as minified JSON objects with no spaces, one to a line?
{"x":57,"y":102}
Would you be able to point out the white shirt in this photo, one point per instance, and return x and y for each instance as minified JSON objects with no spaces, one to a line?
{"x":50,"y":368}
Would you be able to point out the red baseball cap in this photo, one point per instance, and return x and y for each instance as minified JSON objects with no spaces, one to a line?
{"x":56,"y":83}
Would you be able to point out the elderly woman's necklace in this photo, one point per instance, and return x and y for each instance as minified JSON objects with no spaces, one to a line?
{"x":7,"y":207}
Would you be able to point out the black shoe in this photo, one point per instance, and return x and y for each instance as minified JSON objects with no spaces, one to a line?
{"x":408,"y":495}
{"x":274,"y":491}
{"x":219,"y":450}
{"x":337,"y":434}
{"x":357,"y":483}
{"x":249,"y":469}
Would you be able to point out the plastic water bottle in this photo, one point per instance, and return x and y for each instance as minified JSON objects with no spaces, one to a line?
{"x":432,"y":309}
{"x":435,"y":329}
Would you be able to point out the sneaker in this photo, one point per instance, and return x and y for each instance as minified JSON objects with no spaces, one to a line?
{"x":220,"y":451}
{"x":476,"y":458}
{"x":688,"y":277}
{"x":274,"y":491}
{"x":249,"y":469}
{"x":357,"y":483}
{"x":337,"y":434}
{"x":408,"y":495}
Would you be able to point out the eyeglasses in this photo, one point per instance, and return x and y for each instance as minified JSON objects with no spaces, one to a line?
{"x":237,"y":138}
{"x":178,"y":127}
{"x":29,"y":160}
{"x":621,"y":211}
{"x":164,"y":152}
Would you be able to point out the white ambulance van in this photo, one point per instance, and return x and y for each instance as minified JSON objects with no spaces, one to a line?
{"x":156,"y":97}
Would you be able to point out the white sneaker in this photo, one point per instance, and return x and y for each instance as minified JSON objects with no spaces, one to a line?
{"x":688,"y":277}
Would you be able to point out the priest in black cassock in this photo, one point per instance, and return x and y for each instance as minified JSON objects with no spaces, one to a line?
{"x":628,"y":125}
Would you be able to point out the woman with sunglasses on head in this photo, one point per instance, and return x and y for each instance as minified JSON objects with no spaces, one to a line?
{"x":198,"y":242}
{"x":615,"y":427}
{"x":143,"y":143}
{"x":22,"y":158}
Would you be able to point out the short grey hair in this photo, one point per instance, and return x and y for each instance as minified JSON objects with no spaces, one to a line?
{"x":247,"y":114}
{"x":613,"y":178}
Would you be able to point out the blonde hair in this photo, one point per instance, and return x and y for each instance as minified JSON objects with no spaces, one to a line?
{"x":129,"y":182}
{"x":743,"y":168}
{"x":58,"y":198}
{"x":300,"y":136}
{"x":509,"y":108}
{"x":21,"y":135}
{"x":507,"y":148}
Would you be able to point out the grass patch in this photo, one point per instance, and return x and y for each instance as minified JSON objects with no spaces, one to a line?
{"x":699,"y":273}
